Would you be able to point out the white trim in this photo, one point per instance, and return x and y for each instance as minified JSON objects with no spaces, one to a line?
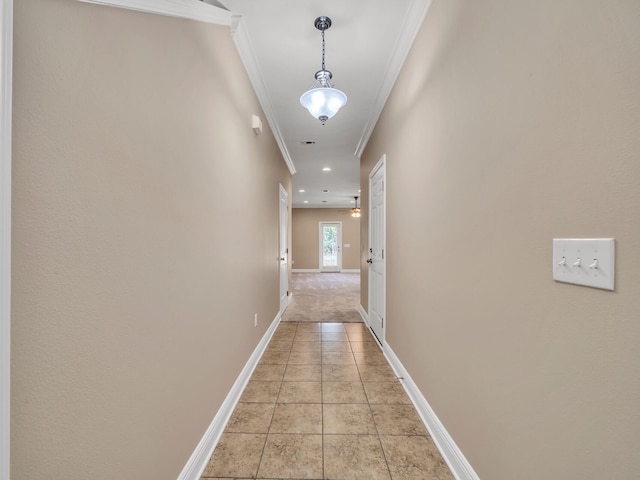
{"x":416,"y":13}
{"x":6,"y":54}
{"x":457,"y":462}
{"x":189,"y":9}
{"x":201,"y":455}
{"x":241,"y":38}
{"x":350,"y":270}
{"x":364,"y":315}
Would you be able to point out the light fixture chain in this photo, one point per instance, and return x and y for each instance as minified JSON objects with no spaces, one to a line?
{"x":323,"y":49}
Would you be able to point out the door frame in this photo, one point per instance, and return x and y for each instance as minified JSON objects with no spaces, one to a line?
{"x":320,"y":245}
{"x":380,"y":166}
{"x":6,"y":79}
{"x":283,"y":221}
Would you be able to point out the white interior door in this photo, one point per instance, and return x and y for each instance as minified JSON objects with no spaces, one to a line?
{"x":330,"y":251}
{"x":376,"y":260}
{"x":284,"y":249}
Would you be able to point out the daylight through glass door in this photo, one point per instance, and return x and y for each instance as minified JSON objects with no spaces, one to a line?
{"x":330,"y":258}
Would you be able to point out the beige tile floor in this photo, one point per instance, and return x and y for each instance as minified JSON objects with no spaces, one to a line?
{"x":323,"y":403}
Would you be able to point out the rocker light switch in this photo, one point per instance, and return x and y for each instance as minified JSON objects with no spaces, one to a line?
{"x":584,"y":261}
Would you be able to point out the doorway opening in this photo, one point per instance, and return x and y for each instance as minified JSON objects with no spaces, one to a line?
{"x":284,"y":248}
{"x":330,"y":241}
{"x":376,"y":260}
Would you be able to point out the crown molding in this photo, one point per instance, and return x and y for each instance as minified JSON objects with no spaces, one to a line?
{"x":189,"y":9}
{"x":416,"y":13}
{"x":247,"y":55}
{"x":205,"y":12}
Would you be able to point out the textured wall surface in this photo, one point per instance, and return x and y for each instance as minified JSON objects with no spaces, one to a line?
{"x":306,"y":236}
{"x":137,"y":264}
{"x":513,"y":123}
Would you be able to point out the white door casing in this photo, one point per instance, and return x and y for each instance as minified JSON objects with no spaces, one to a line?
{"x":330,"y":251}
{"x":377,"y":260}
{"x":6,"y":76}
{"x":283,"y":257}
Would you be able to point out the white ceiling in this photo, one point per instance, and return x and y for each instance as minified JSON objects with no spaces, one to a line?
{"x":281,"y":49}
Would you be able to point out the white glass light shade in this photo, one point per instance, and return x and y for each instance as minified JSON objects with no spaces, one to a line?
{"x":323,"y":102}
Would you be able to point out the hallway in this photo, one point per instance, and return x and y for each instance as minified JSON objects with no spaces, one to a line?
{"x":144,"y":162}
{"x":323,"y":403}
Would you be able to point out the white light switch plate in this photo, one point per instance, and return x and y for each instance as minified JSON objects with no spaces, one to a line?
{"x":584,"y":261}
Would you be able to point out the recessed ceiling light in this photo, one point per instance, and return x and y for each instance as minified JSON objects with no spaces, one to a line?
{"x":306,"y":201}
{"x":359,"y":191}
{"x":324,"y":201}
{"x":325,"y":191}
{"x":326,"y":169}
{"x":301,"y":190}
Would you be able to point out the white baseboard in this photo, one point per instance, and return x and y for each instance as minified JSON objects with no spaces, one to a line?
{"x":457,"y":462}
{"x":350,"y":270}
{"x":201,"y":455}
{"x":364,"y":315}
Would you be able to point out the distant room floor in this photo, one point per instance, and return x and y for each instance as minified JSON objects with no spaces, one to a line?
{"x":324,"y":297}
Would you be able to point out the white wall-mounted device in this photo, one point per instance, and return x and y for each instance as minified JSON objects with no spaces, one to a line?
{"x":256,"y":124}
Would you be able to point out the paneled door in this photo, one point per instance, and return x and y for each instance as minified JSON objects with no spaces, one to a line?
{"x":376,"y":260}
{"x":329,"y":241}
{"x":284,"y":249}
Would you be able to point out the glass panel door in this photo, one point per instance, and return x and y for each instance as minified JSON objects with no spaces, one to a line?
{"x":330,"y":257}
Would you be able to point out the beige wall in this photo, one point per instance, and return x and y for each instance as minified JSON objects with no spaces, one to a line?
{"x":513,"y":123}
{"x":145,"y":237}
{"x":306,"y":237}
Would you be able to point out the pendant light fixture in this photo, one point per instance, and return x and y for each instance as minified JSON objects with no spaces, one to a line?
{"x":355,"y":212}
{"x":323,"y":101}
